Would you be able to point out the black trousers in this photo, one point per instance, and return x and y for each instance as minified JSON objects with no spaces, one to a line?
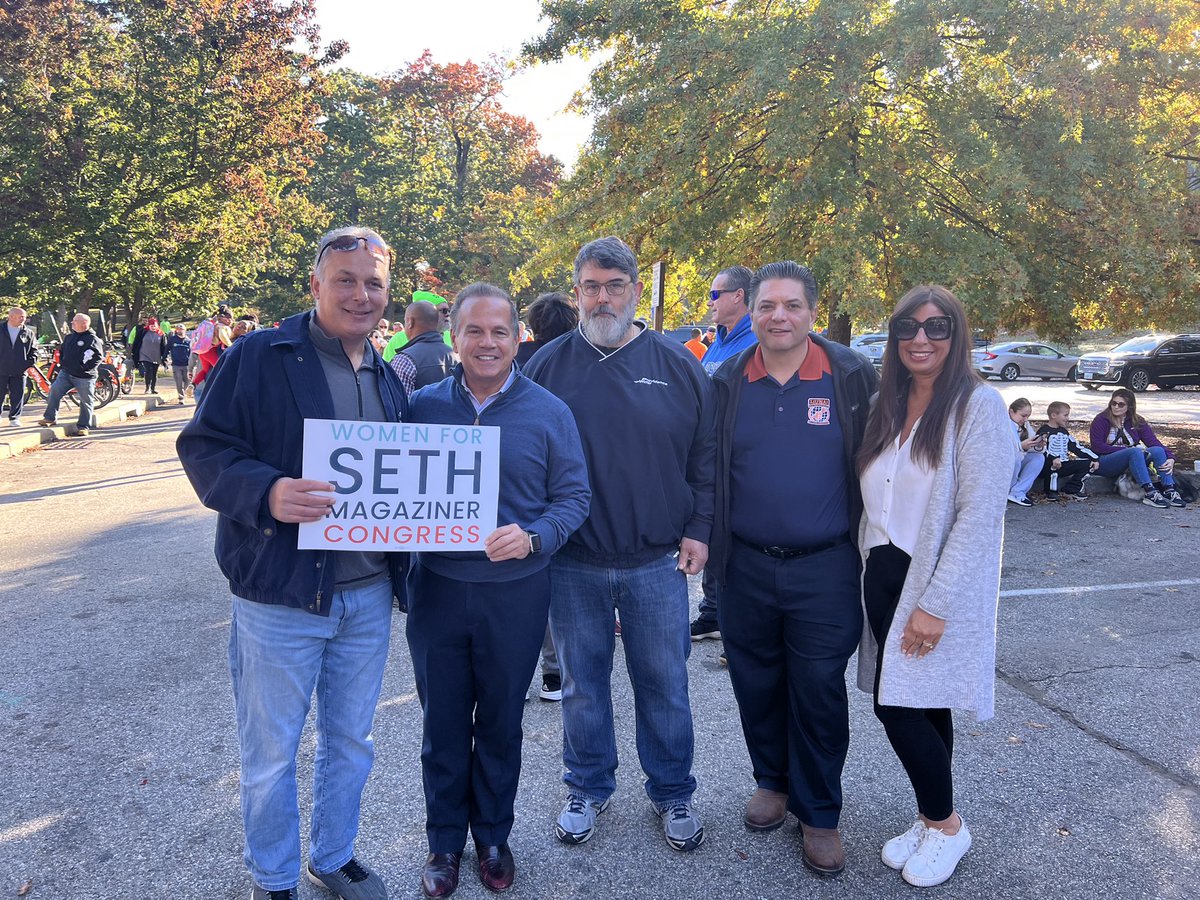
{"x":474,"y":647}
{"x":150,"y":374}
{"x":923,"y":739}
{"x":1068,"y":478}
{"x":790,"y":626}
{"x":14,"y":386}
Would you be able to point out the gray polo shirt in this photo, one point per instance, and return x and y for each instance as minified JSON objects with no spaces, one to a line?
{"x":355,"y":397}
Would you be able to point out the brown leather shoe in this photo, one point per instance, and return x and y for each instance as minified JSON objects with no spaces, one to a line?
{"x":496,"y":867}
{"x":765,"y":810}
{"x":823,"y":852}
{"x":439,"y":878}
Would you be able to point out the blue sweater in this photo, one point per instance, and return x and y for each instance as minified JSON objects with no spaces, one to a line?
{"x":543,"y":478}
{"x":645,"y":413}
{"x":728,"y":343}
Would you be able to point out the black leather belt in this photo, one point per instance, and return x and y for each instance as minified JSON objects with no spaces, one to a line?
{"x":794,"y":552}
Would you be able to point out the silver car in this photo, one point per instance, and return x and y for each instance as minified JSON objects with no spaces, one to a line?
{"x":1015,"y":359}
{"x":871,"y":346}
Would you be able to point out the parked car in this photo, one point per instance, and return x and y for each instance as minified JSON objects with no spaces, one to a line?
{"x":871,"y":346}
{"x":1010,"y":360}
{"x":1165,"y":360}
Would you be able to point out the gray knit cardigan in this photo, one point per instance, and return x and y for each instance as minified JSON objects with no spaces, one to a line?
{"x":955,"y":570}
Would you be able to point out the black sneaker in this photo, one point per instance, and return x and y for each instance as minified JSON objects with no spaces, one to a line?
{"x":1052,"y":496}
{"x":1156,"y":499}
{"x":551,"y":687}
{"x":704,"y":629}
{"x":1173,"y":497}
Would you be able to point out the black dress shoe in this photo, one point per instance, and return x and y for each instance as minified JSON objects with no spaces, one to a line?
{"x":439,"y":878}
{"x":496,"y":867}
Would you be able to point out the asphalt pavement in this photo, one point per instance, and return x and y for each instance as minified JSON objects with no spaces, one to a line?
{"x":119,"y":772}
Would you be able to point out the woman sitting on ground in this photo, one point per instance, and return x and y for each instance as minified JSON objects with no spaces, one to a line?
{"x":1029,"y":464}
{"x":1125,"y":442}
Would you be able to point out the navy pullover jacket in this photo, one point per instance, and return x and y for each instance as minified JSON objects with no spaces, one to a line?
{"x":645,"y":412}
{"x":543,"y":479}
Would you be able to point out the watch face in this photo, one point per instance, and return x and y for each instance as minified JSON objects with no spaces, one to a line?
{"x":535,"y":541}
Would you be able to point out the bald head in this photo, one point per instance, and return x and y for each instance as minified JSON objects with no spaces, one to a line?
{"x":16,"y":317}
{"x":420,"y":317}
{"x":81,"y":322}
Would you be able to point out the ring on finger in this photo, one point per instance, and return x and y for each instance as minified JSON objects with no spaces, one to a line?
{"x":927,"y":644}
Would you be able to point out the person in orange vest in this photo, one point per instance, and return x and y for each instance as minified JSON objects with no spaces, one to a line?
{"x":697,"y":346}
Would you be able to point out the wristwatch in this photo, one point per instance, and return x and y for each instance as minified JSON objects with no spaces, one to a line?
{"x":535,"y":542}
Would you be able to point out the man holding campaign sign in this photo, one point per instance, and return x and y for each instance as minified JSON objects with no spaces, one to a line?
{"x":304,"y":618}
{"x":476,"y":620}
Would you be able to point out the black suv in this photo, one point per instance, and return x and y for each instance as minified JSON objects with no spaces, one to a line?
{"x":1165,"y":360}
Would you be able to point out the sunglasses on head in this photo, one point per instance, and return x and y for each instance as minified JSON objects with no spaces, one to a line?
{"x":349,"y":242}
{"x":937,"y":328}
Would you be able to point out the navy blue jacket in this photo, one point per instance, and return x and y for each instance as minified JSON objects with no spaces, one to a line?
{"x":543,"y":478}
{"x":179,"y":349}
{"x":246,"y":434}
{"x":645,"y":415}
{"x":854,"y":383}
{"x":16,"y":358}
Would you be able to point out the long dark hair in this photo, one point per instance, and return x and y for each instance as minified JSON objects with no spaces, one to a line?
{"x":950,"y":392}
{"x":1131,"y":413}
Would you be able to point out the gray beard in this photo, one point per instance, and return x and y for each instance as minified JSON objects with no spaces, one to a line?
{"x":607,"y":331}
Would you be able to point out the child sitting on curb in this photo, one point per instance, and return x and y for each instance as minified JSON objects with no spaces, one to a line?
{"x":1067,"y":462}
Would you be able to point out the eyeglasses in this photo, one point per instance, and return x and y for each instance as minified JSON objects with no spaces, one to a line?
{"x":350,"y":242}
{"x":615,"y":289}
{"x":716,"y":295}
{"x":1118,"y":404}
{"x":937,"y":328}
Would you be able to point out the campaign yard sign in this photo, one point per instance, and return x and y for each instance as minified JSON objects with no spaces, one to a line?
{"x":402,"y":485}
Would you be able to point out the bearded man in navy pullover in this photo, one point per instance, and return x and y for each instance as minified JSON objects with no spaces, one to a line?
{"x":476,"y":620}
{"x":645,"y":411}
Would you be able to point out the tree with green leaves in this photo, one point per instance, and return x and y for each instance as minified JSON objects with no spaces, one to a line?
{"x":1033,"y":156}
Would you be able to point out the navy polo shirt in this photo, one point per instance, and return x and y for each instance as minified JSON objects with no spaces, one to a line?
{"x":788,"y":478}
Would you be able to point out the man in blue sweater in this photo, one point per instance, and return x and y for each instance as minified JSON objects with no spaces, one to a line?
{"x":729,"y":295}
{"x":476,"y":620}
{"x":644,"y":408}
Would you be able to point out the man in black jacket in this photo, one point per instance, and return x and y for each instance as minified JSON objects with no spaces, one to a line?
{"x":80,"y":356}
{"x":644,"y":408}
{"x":16,"y":355}
{"x":425,"y":347}
{"x":790,"y":418}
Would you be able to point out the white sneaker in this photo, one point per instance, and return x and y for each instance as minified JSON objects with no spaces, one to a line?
{"x":897,"y":851}
{"x":16,"y":423}
{"x":936,"y":856}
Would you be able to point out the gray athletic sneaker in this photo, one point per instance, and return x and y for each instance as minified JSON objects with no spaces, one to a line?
{"x":681,"y":826}
{"x":353,"y":881}
{"x":260,"y":893}
{"x":577,"y":821}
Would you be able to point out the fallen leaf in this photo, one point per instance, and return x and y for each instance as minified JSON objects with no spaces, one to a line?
{"x":742,"y":855}
{"x":144,"y":781}
{"x":1032,"y":724}
{"x":1064,"y":831}
{"x":25,"y":888}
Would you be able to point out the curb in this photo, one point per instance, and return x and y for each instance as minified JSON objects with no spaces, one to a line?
{"x":32,"y":438}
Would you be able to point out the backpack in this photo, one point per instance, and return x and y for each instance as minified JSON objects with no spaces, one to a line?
{"x":206,"y":334}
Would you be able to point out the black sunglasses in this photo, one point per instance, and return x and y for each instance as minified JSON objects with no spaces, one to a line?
{"x":937,"y":328}
{"x":348,"y":242}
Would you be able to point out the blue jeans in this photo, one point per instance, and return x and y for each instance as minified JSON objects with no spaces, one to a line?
{"x":653,"y":604}
{"x":278,"y":655}
{"x":1134,"y":459}
{"x":84,"y":387}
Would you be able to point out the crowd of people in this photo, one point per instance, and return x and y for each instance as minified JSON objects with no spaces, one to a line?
{"x":830,"y":509}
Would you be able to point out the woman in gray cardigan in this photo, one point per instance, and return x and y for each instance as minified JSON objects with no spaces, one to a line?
{"x":935,"y":467}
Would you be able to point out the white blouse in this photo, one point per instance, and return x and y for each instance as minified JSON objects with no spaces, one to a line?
{"x":895,"y":492}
